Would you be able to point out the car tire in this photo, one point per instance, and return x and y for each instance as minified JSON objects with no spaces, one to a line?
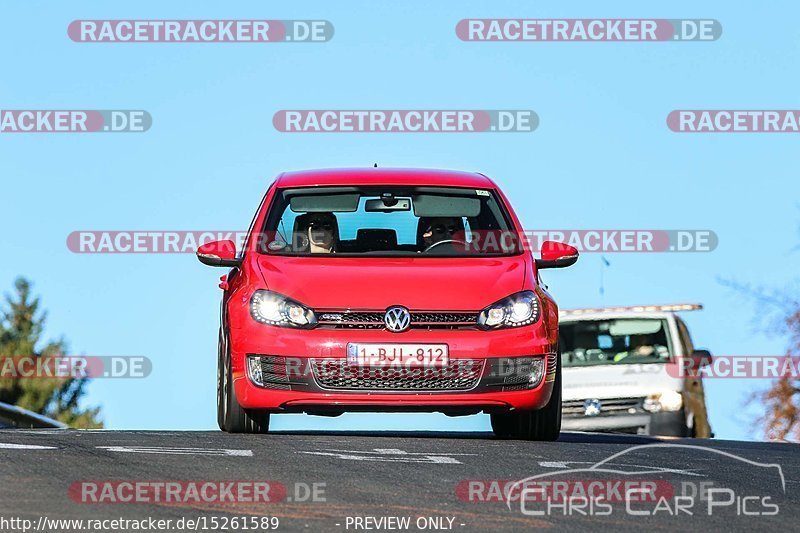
{"x":502,"y":424}
{"x":232,"y":417}
{"x":671,"y":425}
{"x":220,"y":384}
{"x":542,"y":424}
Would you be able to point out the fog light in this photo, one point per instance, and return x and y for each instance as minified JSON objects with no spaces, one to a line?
{"x":254,"y":370}
{"x":651,"y":404}
{"x":537,"y":371}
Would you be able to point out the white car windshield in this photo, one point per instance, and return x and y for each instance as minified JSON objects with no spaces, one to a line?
{"x":614,"y":342}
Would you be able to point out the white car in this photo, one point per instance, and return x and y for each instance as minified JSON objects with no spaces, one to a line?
{"x":621,"y":372}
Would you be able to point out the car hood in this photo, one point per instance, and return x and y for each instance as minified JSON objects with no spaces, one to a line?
{"x":618,"y":381}
{"x":449,"y":284}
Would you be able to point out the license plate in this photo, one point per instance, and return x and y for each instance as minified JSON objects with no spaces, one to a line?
{"x":397,"y":355}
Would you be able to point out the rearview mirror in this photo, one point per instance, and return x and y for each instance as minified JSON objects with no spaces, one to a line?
{"x":218,"y":253}
{"x":557,"y":255}
{"x":380,"y":205}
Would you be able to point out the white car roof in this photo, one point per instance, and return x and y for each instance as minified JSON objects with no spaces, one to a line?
{"x":637,"y":311}
{"x":612,"y":316}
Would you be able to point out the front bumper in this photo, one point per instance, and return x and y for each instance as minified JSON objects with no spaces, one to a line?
{"x":665,"y":423}
{"x":306,"y":393}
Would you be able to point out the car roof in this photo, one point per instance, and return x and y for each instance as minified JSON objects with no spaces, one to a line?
{"x":615,"y":315}
{"x":384,"y":176}
{"x":635,"y":311}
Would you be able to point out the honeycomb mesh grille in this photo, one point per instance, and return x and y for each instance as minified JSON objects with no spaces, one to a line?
{"x":443,"y":318}
{"x":458,"y":375}
{"x":374,"y":320}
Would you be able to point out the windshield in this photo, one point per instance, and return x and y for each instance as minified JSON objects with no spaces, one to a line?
{"x":614,"y":342}
{"x":393,"y":221}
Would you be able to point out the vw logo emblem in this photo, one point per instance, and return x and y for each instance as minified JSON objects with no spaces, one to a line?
{"x":397,"y":319}
{"x":592,"y":407}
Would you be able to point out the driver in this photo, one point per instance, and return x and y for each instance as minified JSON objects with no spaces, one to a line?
{"x":441,"y":229}
{"x":640,"y":346}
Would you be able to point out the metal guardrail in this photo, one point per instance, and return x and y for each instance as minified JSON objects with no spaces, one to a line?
{"x":17,"y":417}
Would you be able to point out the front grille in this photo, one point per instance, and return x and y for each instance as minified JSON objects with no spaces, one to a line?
{"x":514,"y":388}
{"x":374,"y":319}
{"x":458,"y":375}
{"x":609,"y":406}
{"x":443,"y":318}
{"x":354,"y":319}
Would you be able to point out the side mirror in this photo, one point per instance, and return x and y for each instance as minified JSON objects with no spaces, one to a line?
{"x":701,"y":358}
{"x":218,"y":253}
{"x":557,"y":255}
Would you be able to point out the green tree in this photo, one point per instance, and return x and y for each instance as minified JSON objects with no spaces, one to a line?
{"x":21,"y":328}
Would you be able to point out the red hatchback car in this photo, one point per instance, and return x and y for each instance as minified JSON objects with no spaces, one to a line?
{"x":388,"y":290}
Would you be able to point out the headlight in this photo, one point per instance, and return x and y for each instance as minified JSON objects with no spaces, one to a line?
{"x":520,"y":309}
{"x":665,"y":401}
{"x":277,"y":310}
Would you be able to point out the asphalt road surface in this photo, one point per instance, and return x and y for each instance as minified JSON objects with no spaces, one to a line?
{"x":389,"y":481}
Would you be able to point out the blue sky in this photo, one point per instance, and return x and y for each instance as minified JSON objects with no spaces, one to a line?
{"x":602,"y":157}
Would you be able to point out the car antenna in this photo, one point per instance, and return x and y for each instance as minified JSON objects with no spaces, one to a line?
{"x":375,"y":165}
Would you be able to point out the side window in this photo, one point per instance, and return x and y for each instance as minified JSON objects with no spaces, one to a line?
{"x":685,"y":338}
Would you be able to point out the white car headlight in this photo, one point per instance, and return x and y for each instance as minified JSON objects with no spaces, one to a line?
{"x":277,"y":310}
{"x":520,"y":309}
{"x":664,"y":401}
